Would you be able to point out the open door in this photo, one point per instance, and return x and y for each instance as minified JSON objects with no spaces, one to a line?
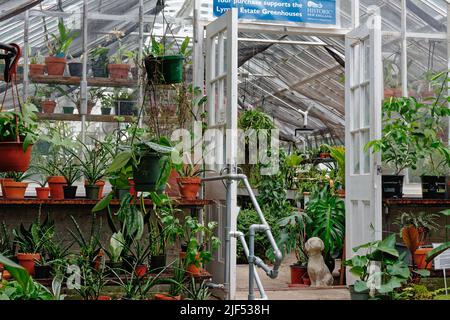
{"x":222,"y":108}
{"x":364,"y":97}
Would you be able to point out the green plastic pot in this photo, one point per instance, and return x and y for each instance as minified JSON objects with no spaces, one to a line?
{"x":68,"y":110}
{"x":120,"y":193}
{"x":358,"y":295}
{"x":92,"y":192}
{"x":147,"y":173}
{"x":164,"y":70}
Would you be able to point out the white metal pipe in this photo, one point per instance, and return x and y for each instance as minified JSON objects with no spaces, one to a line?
{"x":291,"y":42}
{"x":404,"y":52}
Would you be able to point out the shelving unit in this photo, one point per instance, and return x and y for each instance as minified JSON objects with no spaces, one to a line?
{"x":89,"y":117}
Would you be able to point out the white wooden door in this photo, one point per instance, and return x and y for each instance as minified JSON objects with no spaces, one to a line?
{"x":222,"y":107}
{"x":363,"y":95}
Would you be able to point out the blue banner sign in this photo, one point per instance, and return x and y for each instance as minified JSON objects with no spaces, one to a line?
{"x":300,"y":11}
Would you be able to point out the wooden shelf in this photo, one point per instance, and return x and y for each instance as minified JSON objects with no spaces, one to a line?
{"x":417,"y":202}
{"x":75,"y":81}
{"x":89,"y":117}
{"x":178,"y":202}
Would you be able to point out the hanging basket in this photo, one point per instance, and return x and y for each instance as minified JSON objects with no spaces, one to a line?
{"x":14,"y":158}
{"x":164,"y":70}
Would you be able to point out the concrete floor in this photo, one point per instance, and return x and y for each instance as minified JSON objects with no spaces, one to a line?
{"x":278,"y":289}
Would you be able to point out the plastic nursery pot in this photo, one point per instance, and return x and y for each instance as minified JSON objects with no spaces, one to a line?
{"x":42,"y":193}
{"x":118,"y":71}
{"x":121,"y":193}
{"x":14,"y":190}
{"x":164,"y":70}
{"x":55,"y":66}
{"x":2,"y":181}
{"x":42,"y":272}
{"x":48,"y":106}
{"x":27,"y":260}
{"x":297,"y":273}
{"x":56,"y":184}
{"x":101,"y":185}
{"x":364,"y":295}
{"x":157,"y":262}
{"x":36,"y":70}
{"x":13,"y":157}
{"x":106,"y":111}
{"x":68,"y":110}
{"x":147,"y":173}
{"x":75,"y":69}
{"x":433,"y":187}
{"x":99,"y":70}
{"x":125,"y":108}
{"x":420,"y":258}
{"x":70,"y":192}
{"x":189,"y":187}
{"x":392,"y":186}
{"x":92,"y":192}
{"x":140,"y":270}
{"x":164,"y":296}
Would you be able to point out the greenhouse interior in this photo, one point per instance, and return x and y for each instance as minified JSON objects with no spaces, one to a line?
{"x":224,"y":150}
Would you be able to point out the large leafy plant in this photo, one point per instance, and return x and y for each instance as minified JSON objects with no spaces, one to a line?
{"x":23,"y":287}
{"x":36,"y":237}
{"x":380,"y":267}
{"x":443,"y":247}
{"x":327,"y":214}
{"x":293,"y":235}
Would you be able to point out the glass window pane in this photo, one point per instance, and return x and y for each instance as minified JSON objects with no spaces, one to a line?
{"x":356,"y":153}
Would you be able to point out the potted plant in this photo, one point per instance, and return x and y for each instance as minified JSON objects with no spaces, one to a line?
{"x":391,"y":79}
{"x":114,"y":252}
{"x":17,"y":135}
{"x":76,"y":67}
{"x":71,"y":172}
{"x":51,"y":165}
{"x":99,"y":61}
{"x":292,"y":239}
{"x":414,"y":229}
{"x":138,"y":254}
{"x":31,"y":242}
{"x":57,"y":49}
{"x":327,"y":222}
{"x":399,"y":145}
{"x":94,"y":162}
{"x":106,"y":102}
{"x":338,"y":154}
{"x":124,"y":102}
{"x":118,"y":68}
{"x":189,"y":179}
{"x":324,"y":152}
{"x":53,"y":260}
{"x":37,"y":66}
{"x":42,"y":192}
{"x":392,"y":274}
{"x":162,"y":64}
{"x":15,"y":188}
{"x":44,"y":95}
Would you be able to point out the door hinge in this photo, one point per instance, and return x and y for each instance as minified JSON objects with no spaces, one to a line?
{"x":379,"y":170}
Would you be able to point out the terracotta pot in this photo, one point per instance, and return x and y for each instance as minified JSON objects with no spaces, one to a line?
{"x":43,"y":193}
{"x":27,"y":260}
{"x":140,"y":270}
{"x":104,"y":298}
{"x":48,"y":106}
{"x":118,"y":71}
{"x":1,"y":182}
{"x":37,"y":69}
{"x":389,"y":92}
{"x":173,"y":190}
{"x":189,"y":187}
{"x":13,"y":158}
{"x":56,"y":184}
{"x":90,"y":106}
{"x":297,"y":273}
{"x":15,"y":190}
{"x":324,"y":155}
{"x":163,"y":296}
{"x":55,"y":66}
{"x":6,"y":275}
{"x":419,"y":258}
